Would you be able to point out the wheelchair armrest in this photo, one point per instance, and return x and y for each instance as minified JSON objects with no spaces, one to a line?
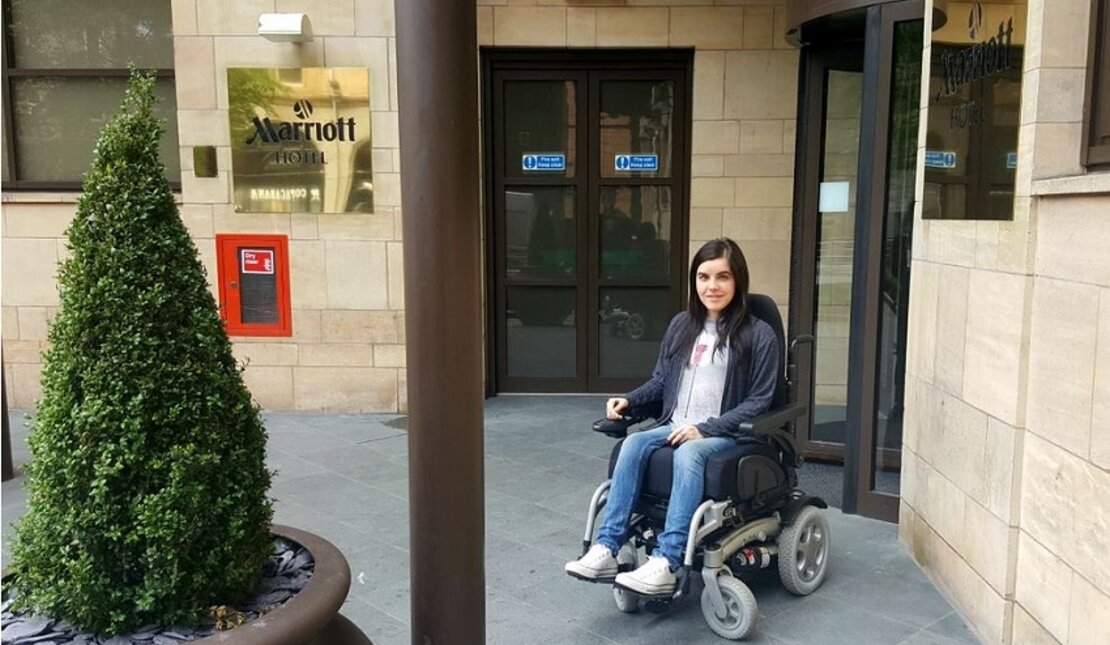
{"x":770,"y":426}
{"x":618,"y":429}
{"x":769,"y":422}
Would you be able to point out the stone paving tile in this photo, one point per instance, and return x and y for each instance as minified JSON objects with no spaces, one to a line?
{"x":391,"y":598}
{"x":382,"y":628}
{"x":828,"y":622}
{"x":512,"y":566}
{"x":361,"y":463}
{"x":398,"y":488}
{"x":344,"y":477}
{"x":888,"y":594}
{"x":926,"y":637}
{"x":395,"y":447}
{"x":953,"y":628}
{"x":377,"y":566}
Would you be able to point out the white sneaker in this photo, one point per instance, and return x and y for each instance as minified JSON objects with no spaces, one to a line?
{"x":654,"y":578}
{"x":597,"y":563}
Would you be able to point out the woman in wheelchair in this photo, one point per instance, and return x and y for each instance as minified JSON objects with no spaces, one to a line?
{"x":717,"y":368}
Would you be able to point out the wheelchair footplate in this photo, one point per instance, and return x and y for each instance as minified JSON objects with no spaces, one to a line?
{"x":608,"y":580}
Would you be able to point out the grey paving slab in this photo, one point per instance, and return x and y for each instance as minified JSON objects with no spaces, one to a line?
{"x":512,"y":566}
{"x":361,"y":463}
{"x":398,"y":488}
{"x":828,"y":622}
{"x":390,"y":526}
{"x":889,"y":594}
{"x":396,"y":447}
{"x":926,"y":637}
{"x":382,"y":628}
{"x":392,"y":598}
{"x":288,"y":465}
{"x":344,"y":477}
{"x":953,"y":628}
{"x":377,"y":566}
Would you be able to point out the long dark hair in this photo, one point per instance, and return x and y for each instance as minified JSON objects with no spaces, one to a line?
{"x":731,"y":321}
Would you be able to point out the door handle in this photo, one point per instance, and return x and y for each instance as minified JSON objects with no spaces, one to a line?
{"x":233,"y":284}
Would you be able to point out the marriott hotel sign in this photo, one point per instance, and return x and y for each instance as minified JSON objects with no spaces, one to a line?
{"x":300,"y":140}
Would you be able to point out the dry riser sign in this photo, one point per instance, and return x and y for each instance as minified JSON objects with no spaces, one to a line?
{"x":974,"y":111}
{"x":300,"y":140}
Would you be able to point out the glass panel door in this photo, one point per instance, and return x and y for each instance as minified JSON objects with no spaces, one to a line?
{"x":539,"y":199}
{"x":836,"y":210}
{"x":858,"y":149}
{"x":639,"y":182}
{"x":894,"y":281}
{"x":833,"y":88}
{"x":883,"y":240}
{"x":588,"y":181}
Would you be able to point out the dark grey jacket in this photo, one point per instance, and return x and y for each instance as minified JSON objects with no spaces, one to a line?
{"x":749,"y":381}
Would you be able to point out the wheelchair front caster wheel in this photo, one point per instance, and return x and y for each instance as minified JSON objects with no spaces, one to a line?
{"x":804,"y":552}
{"x":740,"y":609}
{"x":626,"y":600}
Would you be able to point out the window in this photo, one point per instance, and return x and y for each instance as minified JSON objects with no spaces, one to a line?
{"x":1096,"y":110}
{"x":65,"y":72}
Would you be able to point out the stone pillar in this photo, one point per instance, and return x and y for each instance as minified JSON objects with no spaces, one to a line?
{"x":437,"y":76}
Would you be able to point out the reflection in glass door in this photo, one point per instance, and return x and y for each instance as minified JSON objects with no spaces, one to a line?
{"x":538,"y":197}
{"x":635,"y":187}
{"x":588,"y":173}
{"x":894,"y":281}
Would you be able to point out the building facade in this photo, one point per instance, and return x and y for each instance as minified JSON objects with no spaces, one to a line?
{"x":962,"y":362}
{"x":1005,"y":456}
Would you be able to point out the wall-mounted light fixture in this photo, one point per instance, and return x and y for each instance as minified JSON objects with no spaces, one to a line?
{"x":285,"y":27}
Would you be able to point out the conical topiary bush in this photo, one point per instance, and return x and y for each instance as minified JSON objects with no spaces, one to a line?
{"x":147,"y":491}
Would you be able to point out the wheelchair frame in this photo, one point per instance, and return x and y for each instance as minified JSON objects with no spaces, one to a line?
{"x":763,"y":531}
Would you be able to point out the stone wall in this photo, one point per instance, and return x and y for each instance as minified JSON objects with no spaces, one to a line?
{"x":1007,"y":442}
{"x":347,"y":349}
{"x":744,"y":105}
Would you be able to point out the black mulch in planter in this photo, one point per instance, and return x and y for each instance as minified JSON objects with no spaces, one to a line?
{"x":287,"y":572}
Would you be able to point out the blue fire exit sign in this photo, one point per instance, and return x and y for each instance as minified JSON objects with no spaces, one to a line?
{"x":940,"y":159}
{"x":544,"y":162}
{"x":629,"y":163}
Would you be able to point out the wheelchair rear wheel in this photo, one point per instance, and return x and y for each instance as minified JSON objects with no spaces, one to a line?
{"x":741,"y":610}
{"x":803,"y":552}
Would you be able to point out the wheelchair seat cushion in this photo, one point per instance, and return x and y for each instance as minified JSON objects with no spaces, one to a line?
{"x":740,"y":472}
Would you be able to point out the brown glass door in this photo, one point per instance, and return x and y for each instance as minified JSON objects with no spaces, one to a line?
{"x":586,"y":193}
{"x":833,"y":86}
{"x":858,"y":132}
{"x":884,"y":239}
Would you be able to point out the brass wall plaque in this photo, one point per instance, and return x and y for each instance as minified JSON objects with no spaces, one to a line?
{"x":974,"y":111}
{"x":300,"y":140}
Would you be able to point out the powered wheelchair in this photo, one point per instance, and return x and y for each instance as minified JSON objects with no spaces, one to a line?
{"x":753,"y":516}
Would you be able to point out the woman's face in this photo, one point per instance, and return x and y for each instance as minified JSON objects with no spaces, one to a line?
{"x":716,"y":286}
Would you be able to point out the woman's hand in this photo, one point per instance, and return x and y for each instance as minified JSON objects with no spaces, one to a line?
{"x":614,"y":407}
{"x":683,"y":434}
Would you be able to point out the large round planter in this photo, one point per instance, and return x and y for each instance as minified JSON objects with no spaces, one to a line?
{"x":311,"y":617}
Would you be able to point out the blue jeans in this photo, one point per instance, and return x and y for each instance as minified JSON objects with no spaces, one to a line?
{"x":687,"y":489}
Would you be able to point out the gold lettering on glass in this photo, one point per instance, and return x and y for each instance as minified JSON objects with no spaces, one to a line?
{"x":300,"y":140}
